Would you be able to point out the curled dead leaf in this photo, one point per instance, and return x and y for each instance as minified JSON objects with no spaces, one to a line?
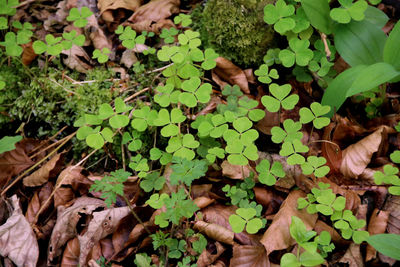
{"x":215,"y":231}
{"x":249,"y":256}
{"x":210,"y":255}
{"x":103,"y":223}
{"x":17,"y":239}
{"x":28,"y":54}
{"x":108,"y":6}
{"x":71,"y":253}
{"x":356,"y":157}
{"x":270,"y":200}
{"x":48,"y":170}
{"x":67,"y":220}
{"x":77,"y":59}
{"x":229,"y":72}
{"x":236,"y":171}
{"x":377,"y":225}
{"x":277,"y":236}
{"x":37,"y":201}
{"x":330,"y":150}
{"x":203,"y":202}
{"x":63,"y":196}
{"x":155,"y":11}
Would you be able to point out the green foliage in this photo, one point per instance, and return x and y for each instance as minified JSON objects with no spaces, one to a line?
{"x":298,"y":53}
{"x":183,"y":19}
{"x":314,"y":114}
{"x":169,"y":34}
{"x":265,"y":75}
{"x":79,"y":17}
{"x":7,"y":143}
{"x":245,"y":217}
{"x":387,"y":244}
{"x":128,"y":37}
{"x":288,"y":134}
{"x":11,"y":45}
{"x":389,"y":176}
{"x":24,"y":33}
{"x":111,"y":186}
{"x":316,"y":166}
{"x":8,"y":7}
{"x":152,"y":181}
{"x":349,"y":10}
{"x":185,"y":171}
{"x":53,"y":45}
{"x":280,"y":97}
{"x":267,"y":173}
{"x":101,"y":56}
{"x":143,"y":260}
{"x":72,"y":38}
{"x":280,"y":15}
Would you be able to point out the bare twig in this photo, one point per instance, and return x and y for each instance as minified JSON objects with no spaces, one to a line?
{"x":137,"y":94}
{"x":327,"y":50}
{"x":160,"y":69}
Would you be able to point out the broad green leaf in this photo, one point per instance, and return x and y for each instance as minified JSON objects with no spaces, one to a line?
{"x":7,"y":143}
{"x":237,"y":223}
{"x":309,"y":258}
{"x":360,"y":42}
{"x":391,"y":52}
{"x":290,"y":260}
{"x":95,"y":140}
{"x":317,"y":12}
{"x":119,"y":121}
{"x":376,"y":16}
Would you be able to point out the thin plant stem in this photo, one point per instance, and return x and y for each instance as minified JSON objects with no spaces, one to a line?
{"x":135,"y":214}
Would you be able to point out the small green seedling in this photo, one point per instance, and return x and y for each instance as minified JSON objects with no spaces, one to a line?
{"x":182,"y":146}
{"x":3,"y":23}
{"x":268,"y":174}
{"x":128,"y":37}
{"x":279,"y":14}
{"x":290,"y":132}
{"x":183,"y":19}
{"x":292,"y":150}
{"x":169,"y":121}
{"x":24,"y":33}
{"x":280,"y":97}
{"x":298,"y":53}
{"x":101,"y":56}
{"x":8,"y":7}
{"x":194,"y":92}
{"x":53,"y":45}
{"x":12,"y":47}
{"x":185,"y":171}
{"x":72,"y":38}
{"x":316,"y":166}
{"x":169,"y":34}
{"x":389,"y":176}
{"x":79,"y":17}
{"x":394,"y":156}
{"x":245,"y":217}
{"x":265,"y":75}
{"x":349,"y":10}
{"x":314,"y":114}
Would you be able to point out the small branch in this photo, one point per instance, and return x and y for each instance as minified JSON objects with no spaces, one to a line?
{"x":159,"y":69}
{"x":327,"y":50}
{"x":137,"y":94}
{"x":135,"y":214}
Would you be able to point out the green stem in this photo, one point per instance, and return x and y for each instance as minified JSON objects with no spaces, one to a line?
{"x":135,"y":214}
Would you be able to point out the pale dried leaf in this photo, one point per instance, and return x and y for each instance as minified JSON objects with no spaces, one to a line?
{"x":67,"y":219}
{"x":63,"y":196}
{"x":353,"y":256}
{"x":17,"y":239}
{"x":208,"y":257}
{"x":336,"y":237}
{"x":150,"y":26}
{"x":48,"y":170}
{"x":231,"y":73}
{"x":277,"y":236}
{"x":215,"y":231}
{"x":77,"y":59}
{"x":377,"y":225}
{"x":203,"y":202}
{"x":236,"y":171}
{"x":249,"y":256}
{"x":356,"y":157}
{"x":128,"y":58}
{"x":102,"y":224}
{"x":98,"y":37}
{"x":107,"y":5}
{"x":70,"y":256}
{"x":155,"y":10}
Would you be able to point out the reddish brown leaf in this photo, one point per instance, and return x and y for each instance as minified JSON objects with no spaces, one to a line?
{"x":236,"y":171}
{"x":229,"y":72}
{"x":210,"y":255}
{"x":249,"y":256}
{"x":270,"y":200}
{"x":48,"y":170}
{"x":70,"y":256}
{"x":108,"y":6}
{"x":270,"y":120}
{"x":38,"y":200}
{"x":203,"y":202}
{"x":377,"y":225}
{"x":28,"y":54}
{"x":277,"y":236}
{"x":63,"y":196}
{"x":330,"y":150}
{"x":215,"y":231}
{"x":155,"y":10}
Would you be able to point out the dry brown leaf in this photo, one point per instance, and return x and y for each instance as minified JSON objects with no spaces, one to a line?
{"x":28,"y":55}
{"x":98,"y":37}
{"x":336,"y":237}
{"x":353,"y":256}
{"x":377,"y":225}
{"x":249,"y":256}
{"x":110,"y":5}
{"x":13,"y":162}
{"x":356,"y":157}
{"x":231,"y":73}
{"x":210,"y":255}
{"x":70,"y":256}
{"x":277,"y":236}
{"x":48,"y":170}
{"x":67,"y":220}
{"x":330,"y":150}
{"x":346,"y":131}
{"x":128,"y":58}
{"x":219,"y":214}
{"x":37,"y":201}
{"x":17,"y":239}
{"x":270,"y":120}
{"x":236,"y":171}
{"x":215,"y":231}
{"x":63,"y":196}
{"x":210,"y":108}
{"x":393,"y":227}
{"x":270,"y":200}
{"x":155,"y":11}
{"x":77,"y":59}
{"x":103,"y":223}
{"x":203,"y":202}
{"x":103,"y":248}
{"x":150,"y":26}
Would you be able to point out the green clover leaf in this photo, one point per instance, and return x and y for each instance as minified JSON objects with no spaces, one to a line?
{"x":299,"y":53}
{"x":128,"y":37}
{"x":292,"y":150}
{"x":240,"y":153}
{"x":314,"y":115}
{"x":194,"y":92}
{"x":264,"y":75}
{"x":182,"y":146}
{"x":169,"y":34}
{"x":272,"y":57}
{"x":143,"y":118}
{"x":166,"y":95}
{"x":395,"y":156}
{"x":279,"y":14}
{"x":189,"y":38}
{"x":280,"y":98}
{"x":24,"y":33}
{"x":301,"y":20}
{"x":349,"y":10}
{"x":152,"y":181}
{"x":245,"y":217}
{"x":315,"y":165}
{"x":267,"y":173}
{"x":3,"y":23}
{"x":390,"y":176}
{"x":12,"y":47}
{"x":8,"y":7}
{"x":183,"y":19}
{"x":79,"y":17}
{"x":215,"y":152}
{"x":72,"y":38}
{"x":209,"y":59}
{"x":288,"y":134}
{"x":169,"y":121}
{"x":214,"y":127}
{"x":186,"y":171}
{"x":102,"y":56}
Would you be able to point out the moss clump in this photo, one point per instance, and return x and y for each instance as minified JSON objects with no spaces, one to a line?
{"x":235,"y":29}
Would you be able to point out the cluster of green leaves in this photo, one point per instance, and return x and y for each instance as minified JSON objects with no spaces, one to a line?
{"x":389,"y":176}
{"x":314,"y":251}
{"x":324,"y":201}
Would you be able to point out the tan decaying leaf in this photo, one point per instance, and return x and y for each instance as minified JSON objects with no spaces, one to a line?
{"x":236,"y":171}
{"x":17,"y":239}
{"x":28,"y":54}
{"x":69,"y":175}
{"x":63,"y":196}
{"x":229,"y":72}
{"x":37,"y":201}
{"x":103,"y":223}
{"x":77,"y":59}
{"x":270,"y":200}
{"x":270,"y":120}
{"x":155,"y":10}
{"x":249,"y":256}
{"x":203,"y":202}
{"x":336,"y":237}
{"x":150,"y":26}
{"x":103,"y":248}
{"x":215,"y":231}
{"x":356,"y":157}
{"x":377,"y":225}
{"x":48,"y":170}
{"x":330,"y":150}
{"x":70,"y":256}
{"x":67,"y":219}
{"x":98,"y":37}
{"x":128,"y":58}
{"x":277,"y":236}
{"x":13,"y":162}
{"x":346,"y":131}
{"x":207,"y":257}
{"x":393,"y":227}
{"x":110,"y":5}
{"x":353,"y":257}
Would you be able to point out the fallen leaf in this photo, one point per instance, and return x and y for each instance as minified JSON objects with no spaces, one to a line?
{"x":377,"y":225}
{"x":71,"y":253}
{"x":28,"y":54}
{"x":277,"y":236}
{"x":215,"y":231}
{"x":103,"y":223}
{"x":37,"y":201}
{"x":210,"y":108}
{"x":346,"y":131}
{"x":150,"y":26}
{"x":67,"y":220}
{"x":353,"y":256}
{"x":98,"y":37}
{"x":13,"y":162}
{"x":249,"y":256}
{"x":17,"y":239}
{"x":236,"y":171}
{"x":103,"y":248}
{"x":210,"y":255}
{"x":330,"y":150}
{"x":50,"y":169}
{"x":203,"y":202}
{"x":270,"y":200}
{"x":270,"y":120}
{"x":108,"y":6}
{"x":356,"y":157}
{"x":63,"y":196}
{"x":229,"y":72}
{"x":128,"y":58}
{"x":77,"y":59}
{"x":155,"y":10}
